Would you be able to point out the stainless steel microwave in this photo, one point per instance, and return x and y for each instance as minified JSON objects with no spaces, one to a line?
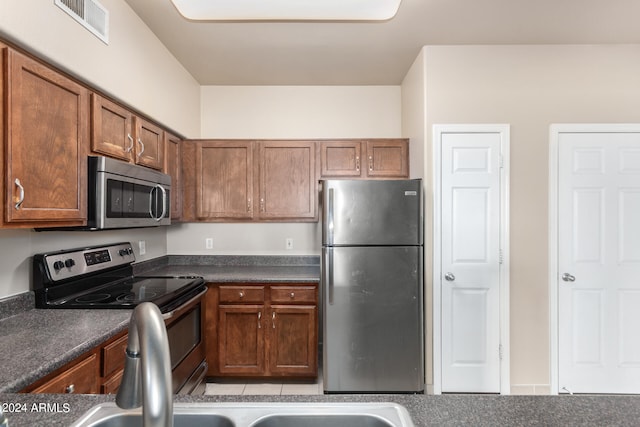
{"x":124,"y":195}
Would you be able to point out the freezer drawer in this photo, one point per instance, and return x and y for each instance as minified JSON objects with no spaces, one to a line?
{"x":373,"y":319}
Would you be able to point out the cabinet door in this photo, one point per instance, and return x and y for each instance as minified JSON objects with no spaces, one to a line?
{"x":46,"y":144}
{"x":224,"y":179}
{"x":388,"y":158}
{"x":340,"y":159}
{"x":149,"y":146}
{"x":241,"y":348}
{"x":287,"y":183}
{"x":293,"y":340}
{"x":172,"y":167}
{"x":111,"y":129}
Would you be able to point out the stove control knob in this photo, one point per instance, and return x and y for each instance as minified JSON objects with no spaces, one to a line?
{"x":58,"y":265}
{"x":125,"y":252}
{"x":69,"y":263}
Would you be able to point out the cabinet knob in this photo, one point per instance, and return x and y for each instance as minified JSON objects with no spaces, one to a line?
{"x":292,"y":295}
{"x":241,"y":294}
{"x":70,"y":389}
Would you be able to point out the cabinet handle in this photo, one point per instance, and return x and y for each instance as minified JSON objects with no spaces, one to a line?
{"x":370,"y":163}
{"x":248,"y":205}
{"x":259,"y":320}
{"x":21,"y":194}
{"x":130,"y":147}
{"x":358,"y":163}
{"x":262,"y":204}
{"x":273,"y":319}
{"x":70,"y":389}
{"x":141,"y":146}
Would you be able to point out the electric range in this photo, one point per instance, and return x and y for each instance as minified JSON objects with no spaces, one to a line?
{"x":102,"y":277}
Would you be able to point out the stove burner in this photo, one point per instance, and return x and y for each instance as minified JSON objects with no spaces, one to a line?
{"x":133,"y":297}
{"x":93,"y":298}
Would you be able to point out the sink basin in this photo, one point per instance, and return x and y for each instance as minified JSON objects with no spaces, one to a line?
{"x":322,"y":414}
{"x":356,"y":420}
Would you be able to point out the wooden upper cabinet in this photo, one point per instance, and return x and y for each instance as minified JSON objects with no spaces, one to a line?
{"x":224,"y":179}
{"x":116,"y":132}
{"x":287,"y":185}
{"x":46,"y":144}
{"x":173,"y":167}
{"x":340,"y":159}
{"x":388,"y":158}
{"x":149,"y":145}
{"x":111,"y":129}
{"x":376,"y":158}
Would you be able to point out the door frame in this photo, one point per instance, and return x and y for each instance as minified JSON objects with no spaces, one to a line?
{"x":554,"y":148}
{"x":505,"y":360}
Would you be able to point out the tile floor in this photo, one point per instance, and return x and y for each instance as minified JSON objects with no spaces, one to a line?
{"x":264,"y":388}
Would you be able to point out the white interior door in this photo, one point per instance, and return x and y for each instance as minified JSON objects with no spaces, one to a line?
{"x":598,"y":280}
{"x":470,"y":256}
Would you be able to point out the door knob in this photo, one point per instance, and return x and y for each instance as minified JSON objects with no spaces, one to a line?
{"x":450,"y":277}
{"x":568,"y":277}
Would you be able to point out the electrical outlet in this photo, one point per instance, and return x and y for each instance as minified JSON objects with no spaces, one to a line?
{"x":142,"y":247}
{"x":208,"y":243}
{"x":288,"y":243}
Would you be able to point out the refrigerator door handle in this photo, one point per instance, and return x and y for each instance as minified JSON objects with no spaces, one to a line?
{"x":329,"y":275}
{"x":330,"y":200}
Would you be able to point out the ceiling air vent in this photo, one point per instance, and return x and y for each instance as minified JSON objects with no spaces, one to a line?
{"x":90,"y":14}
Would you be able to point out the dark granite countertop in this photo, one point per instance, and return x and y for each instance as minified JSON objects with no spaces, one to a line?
{"x":36,"y":342}
{"x":425,"y":410}
{"x":237,"y":268}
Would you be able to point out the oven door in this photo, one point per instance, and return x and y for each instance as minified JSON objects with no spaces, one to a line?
{"x":185,"y":332}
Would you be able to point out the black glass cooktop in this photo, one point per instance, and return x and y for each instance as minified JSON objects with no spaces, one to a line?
{"x":130,"y":292}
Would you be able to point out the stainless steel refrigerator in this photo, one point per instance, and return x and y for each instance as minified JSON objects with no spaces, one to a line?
{"x":372,"y":281}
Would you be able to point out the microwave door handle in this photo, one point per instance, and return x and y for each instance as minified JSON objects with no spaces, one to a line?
{"x":153,"y":199}
{"x":164,"y":202}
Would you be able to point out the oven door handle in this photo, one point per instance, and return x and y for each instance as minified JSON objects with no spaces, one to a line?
{"x":172,"y":313}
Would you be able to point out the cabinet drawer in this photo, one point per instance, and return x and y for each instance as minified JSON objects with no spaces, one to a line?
{"x":112,"y":385}
{"x":113,"y":356}
{"x":241,"y":294}
{"x":293,"y":294}
{"x":80,"y":379}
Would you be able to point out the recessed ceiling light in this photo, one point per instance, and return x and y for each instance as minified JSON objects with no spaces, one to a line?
{"x":287,"y":10}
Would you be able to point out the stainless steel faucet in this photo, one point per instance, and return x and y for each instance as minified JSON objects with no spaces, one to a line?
{"x":147,"y":371}
{"x":3,"y":420}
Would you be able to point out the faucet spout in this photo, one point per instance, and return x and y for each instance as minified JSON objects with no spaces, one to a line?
{"x":147,"y":372}
{"x":3,"y":420}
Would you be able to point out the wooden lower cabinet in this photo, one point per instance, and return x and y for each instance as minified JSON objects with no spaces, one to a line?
{"x":241,"y":340}
{"x":293,"y":341}
{"x":98,"y":371}
{"x":262,"y":330}
{"x":81,"y":378}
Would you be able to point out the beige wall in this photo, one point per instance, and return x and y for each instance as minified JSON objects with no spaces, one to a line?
{"x":135,"y":68}
{"x":288,"y":112}
{"x":414,"y":127}
{"x":531,"y":87}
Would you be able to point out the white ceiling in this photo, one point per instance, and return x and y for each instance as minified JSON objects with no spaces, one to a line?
{"x":377,"y":53}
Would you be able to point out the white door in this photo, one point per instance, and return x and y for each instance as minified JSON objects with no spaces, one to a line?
{"x":470,"y":261}
{"x":598,"y":265}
